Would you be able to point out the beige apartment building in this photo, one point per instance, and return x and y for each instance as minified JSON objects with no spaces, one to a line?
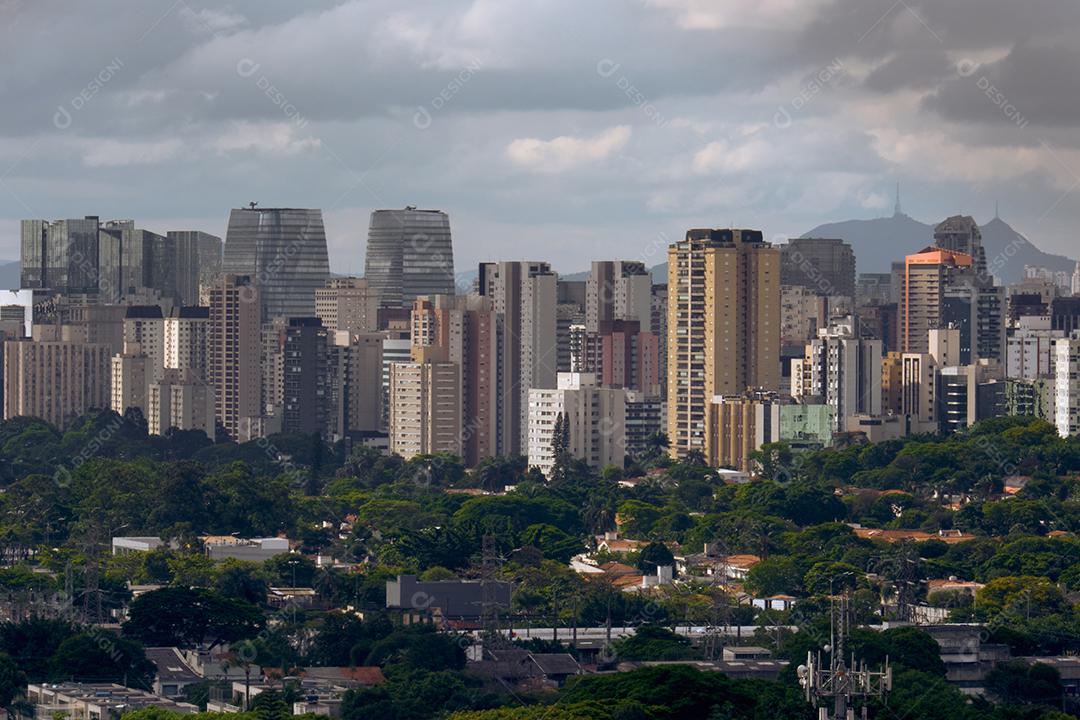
{"x":55,"y":380}
{"x":234,"y":354}
{"x":348,"y":304}
{"x":425,"y":405}
{"x":181,"y":399}
{"x":723,"y":327}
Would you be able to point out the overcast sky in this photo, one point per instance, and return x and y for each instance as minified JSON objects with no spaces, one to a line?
{"x":548,"y":129}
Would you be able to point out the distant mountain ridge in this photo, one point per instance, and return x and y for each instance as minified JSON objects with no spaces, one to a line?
{"x":881,"y":241}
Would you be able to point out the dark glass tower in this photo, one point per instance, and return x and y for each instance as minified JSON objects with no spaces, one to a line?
{"x":409,"y":254}
{"x":283,"y":250}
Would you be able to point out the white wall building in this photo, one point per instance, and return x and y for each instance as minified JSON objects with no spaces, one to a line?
{"x":1067,"y":386}
{"x":1030,"y":348}
{"x":597,"y":418}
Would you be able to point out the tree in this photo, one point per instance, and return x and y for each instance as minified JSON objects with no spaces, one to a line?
{"x":560,"y":449}
{"x":655,"y":555}
{"x":1017,"y":683}
{"x":31,"y":643}
{"x":12,"y":680}
{"x":188,"y":616}
{"x":653,"y":642}
{"x":101,"y":656}
{"x":775,"y":576}
{"x":269,"y":705}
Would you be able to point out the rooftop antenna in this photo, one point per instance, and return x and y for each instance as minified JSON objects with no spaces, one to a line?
{"x":997,"y":215}
{"x":897,"y":211}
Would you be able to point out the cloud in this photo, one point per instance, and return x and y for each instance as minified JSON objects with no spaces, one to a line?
{"x":266,"y":138}
{"x":116,"y":153}
{"x":566,"y":152}
{"x":762,"y":14}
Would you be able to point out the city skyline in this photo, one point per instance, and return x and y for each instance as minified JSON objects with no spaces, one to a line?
{"x":825,"y":108}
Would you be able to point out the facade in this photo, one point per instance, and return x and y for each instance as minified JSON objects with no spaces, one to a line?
{"x":305,"y":384}
{"x":235,"y":308}
{"x":960,"y":234}
{"x":55,"y":380}
{"x":1067,"y":387}
{"x":187,"y":338}
{"x":524,"y":295}
{"x":618,"y":290}
{"x":629,"y":357}
{"x":645,"y":417}
{"x":825,"y":266}
{"x":740,"y":425}
{"x":348,"y":304}
{"x":183,"y":400}
{"x":927,"y":274}
{"x":129,"y":383}
{"x":1030,"y":348}
{"x":596,"y":417}
{"x":395,"y":349}
{"x":802,"y":314}
{"x":425,"y":406}
{"x":197,"y":264}
{"x":918,"y":387}
{"x":723,"y":327}
{"x":283,"y":252}
{"x":356,"y":367}
{"x":409,"y":254}
{"x":844,"y":370}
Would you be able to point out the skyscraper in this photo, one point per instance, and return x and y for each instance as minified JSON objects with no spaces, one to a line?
{"x":960,"y":233}
{"x":235,"y":351}
{"x":197,"y":258}
{"x":61,"y":256}
{"x":927,"y":276}
{"x":283,"y":252}
{"x":844,"y":370}
{"x":524,"y":295}
{"x":304,"y":392}
{"x":348,"y":304}
{"x":618,"y":290}
{"x":409,"y":254}
{"x":824,"y":265}
{"x":723,"y":327}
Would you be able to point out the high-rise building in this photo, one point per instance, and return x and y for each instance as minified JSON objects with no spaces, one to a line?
{"x":960,"y":234}
{"x":305,"y":383}
{"x":144,"y":333}
{"x":918,"y":388}
{"x":629,"y":358}
{"x":1067,"y":386}
{"x":723,"y":327}
{"x":355,"y":371}
{"x":197,"y":258}
{"x":645,"y":417}
{"x":1074,"y":285}
{"x":129,"y":383}
{"x":425,"y":405}
{"x":618,"y":290}
{"x":926,"y":277}
{"x":659,"y":326}
{"x":235,"y":352}
{"x":182,"y":400}
{"x":466,"y":328}
{"x":54,"y":379}
{"x":826,"y":266}
{"x":595,"y":418}
{"x":802,"y":313}
{"x":1030,"y":352}
{"x":61,"y":256}
{"x":524,"y":295}
{"x":187,"y":339}
{"x":409,"y":254}
{"x":396,"y":348}
{"x":844,"y":370}
{"x":283,"y":252}
{"x":348,"y":304}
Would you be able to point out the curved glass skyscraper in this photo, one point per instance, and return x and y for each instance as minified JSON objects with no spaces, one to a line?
{"x":283,"y":250}
{"x":409,"y":254}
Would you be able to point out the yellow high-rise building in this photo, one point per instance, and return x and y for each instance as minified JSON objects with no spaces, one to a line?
{"x":723,"y":328}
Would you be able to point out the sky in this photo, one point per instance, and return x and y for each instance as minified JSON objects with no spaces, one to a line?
{"x":556,"y":130}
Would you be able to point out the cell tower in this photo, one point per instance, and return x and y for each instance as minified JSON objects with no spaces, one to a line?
{"x":838,"y":684}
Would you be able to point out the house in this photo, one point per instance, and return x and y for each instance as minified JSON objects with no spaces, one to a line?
{"x":92,"y":701}
{"x":612,"y":543}
{"x":712,"y":563}
{"x":173,"y":672}
{"x":525,"y":669}
{"x":747,"y":652}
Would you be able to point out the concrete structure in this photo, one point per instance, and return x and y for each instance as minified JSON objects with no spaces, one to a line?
{"x":448,"y":599}
{"x":96,"y":701}
{"x":198,"y":264}
{"x":305,"y":385}
{"x":628,"y":357}
{"x":144,"y":333}
{"x":844,"y":370}
{"x":723,"y":327}
{"x":220,"y":547}
{"x":524,"y":295}
{"x":53,"y":379}
{"x":960,"y":234}
{"x":187,"y":339}
{"x":425,"y":405}
{"x":1030,"y":348}
{"x":618,"y":290}
{"x":742,"y":424}
{"x":825,"y":266}
{"x":596,"y":418}
{"x":802,"y":314}
{"x":466,"y":329}
{"x":927,"y":274}
{"x":409,"y":254}
{"x":283,"y":252}
{"x":1067,"y":385}
{"x":181,"y":399}
{"x":395,"y":349}
{"x":354,"y":367}
{"x":348,"y":304}
{"x":918,"y":388}
{"x":129,"y":384}
{"x":234,"y":355}
{"x":645,"y":417}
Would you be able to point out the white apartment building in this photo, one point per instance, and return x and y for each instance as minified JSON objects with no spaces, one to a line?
{"x":1067,"y":385}
{"x":1030,"y":348}
{"x":596,"y":416}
